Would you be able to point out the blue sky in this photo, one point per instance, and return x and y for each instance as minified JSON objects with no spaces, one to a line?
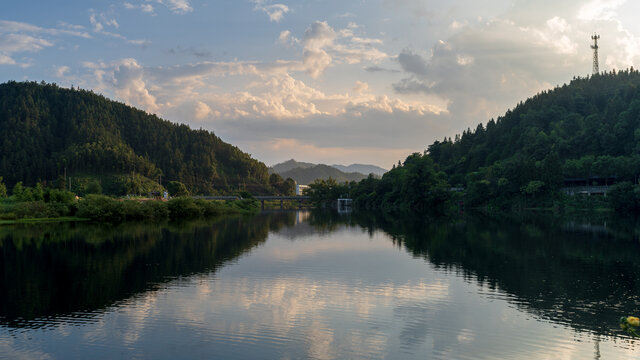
{"x":320,"y":81}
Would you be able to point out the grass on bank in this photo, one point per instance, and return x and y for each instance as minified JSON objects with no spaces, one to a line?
{"x":101,"y":208}
{"x":43,"y":220}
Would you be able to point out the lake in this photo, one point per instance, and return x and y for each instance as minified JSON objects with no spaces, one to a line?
{"x":318,"y":285}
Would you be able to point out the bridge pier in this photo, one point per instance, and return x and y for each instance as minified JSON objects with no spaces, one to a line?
{"x":261,"y":204}
{"x":281,"y":204}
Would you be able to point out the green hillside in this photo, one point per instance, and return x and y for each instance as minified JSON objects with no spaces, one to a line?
{"x":45,"y":129}
{"x":588,"y":130}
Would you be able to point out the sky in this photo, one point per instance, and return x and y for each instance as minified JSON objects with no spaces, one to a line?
{"x":323,"y":81}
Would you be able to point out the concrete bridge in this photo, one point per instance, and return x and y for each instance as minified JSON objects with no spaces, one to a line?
{"x":586,"y":190}
{"x":262,"y":199}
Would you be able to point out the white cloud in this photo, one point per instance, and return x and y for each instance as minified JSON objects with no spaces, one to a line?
{"x":202,"y":110}
{"x":61,"y":71}
{"x":18,"y":37}
{"x":600,"y":9}
{"x":6,"y":60}
{"x":484,"y":71}
{"x":322,"y":44}
{"x":456,"y":25}
{"x":274,"y":11}
{"x":557,"y":34}
{"x":71,"y":26}
{"x":177,"y":6}
{"x":7,"y":26}
{"x":267,"y":95}
{"x":148,"y":8}
{"x":366,"y":41}
{"x":101,"y":21}
{"x":13,"y":43}
{"x":285,"y":38}
{"x":318,"y":36}
{"x":125,"y":78}
{"x":360,"y":87}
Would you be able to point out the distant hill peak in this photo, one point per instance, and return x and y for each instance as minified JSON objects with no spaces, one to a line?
{"x":364,"y":169}
{"x":305,"y":173}
{"x":361,"y":168}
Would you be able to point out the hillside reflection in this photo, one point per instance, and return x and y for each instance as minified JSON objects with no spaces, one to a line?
{"x":580,"y":272}
{"x":583,"y":273}
{"x":53,"y":270}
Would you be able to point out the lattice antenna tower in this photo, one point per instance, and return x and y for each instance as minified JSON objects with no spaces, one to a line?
{"x":596,"y":65}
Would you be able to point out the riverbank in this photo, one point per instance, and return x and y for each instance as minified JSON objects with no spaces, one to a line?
{"x":100,"y":208}
{"x":43,"y":220}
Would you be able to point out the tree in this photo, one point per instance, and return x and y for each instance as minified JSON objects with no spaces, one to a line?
{"x":275,"y":179}
{"x":94,"y":187}
{"x":288,"y":187}
{"x":622,"y":197}
{"x":176,"y":188}
{"x":533,"y":187}
{"x":3,"y":189}
{"x":17,"y":190}
{"x":22,"y":193}
{"x":61,"y":183}
{"x":38,"y":192}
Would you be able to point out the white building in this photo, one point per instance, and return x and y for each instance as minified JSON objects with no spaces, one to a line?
{"x":300,"y":189}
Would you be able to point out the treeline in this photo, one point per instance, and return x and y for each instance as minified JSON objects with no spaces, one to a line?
{"x":583,"y":133}
{"x":46,"y":130}
{"x":416,"y":184}
{"x":587,"y":129}
{"x":54,"y":203}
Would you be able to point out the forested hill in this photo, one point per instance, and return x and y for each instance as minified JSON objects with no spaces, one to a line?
{"x":587,"y":129}
{"x":45,"y":129}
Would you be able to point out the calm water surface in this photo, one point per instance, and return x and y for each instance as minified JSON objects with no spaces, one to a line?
{"x":321,"y":286}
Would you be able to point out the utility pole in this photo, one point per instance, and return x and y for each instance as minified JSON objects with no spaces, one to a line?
{"x":596,"y":65}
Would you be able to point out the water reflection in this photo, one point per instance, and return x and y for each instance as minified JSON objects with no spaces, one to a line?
{"x":55,"y":270}
{"x":320,"y":286}
{"x":581,"y":273}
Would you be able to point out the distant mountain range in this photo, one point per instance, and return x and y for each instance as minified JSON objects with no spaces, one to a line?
{"x":361,"y":168}
{"x":306,"y":173}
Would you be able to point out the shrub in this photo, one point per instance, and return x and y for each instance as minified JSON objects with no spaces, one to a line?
{"x":60,"y":196}
{"x":246,"y":204}
{"x":132,"y":210}
{"x":34,"y":209}
{"x":94,"y":187}
{"x":155,"y":210}
{"x":183,"y":207}
{"x":100,"y":207}
{"x":210,"y":208}
{"x":623,"y":197}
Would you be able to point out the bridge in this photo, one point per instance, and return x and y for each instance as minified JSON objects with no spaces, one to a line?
{"x":262,"y":199}
{"x":586,"y":190}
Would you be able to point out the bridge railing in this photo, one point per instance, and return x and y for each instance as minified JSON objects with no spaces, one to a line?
{"x":585,"y":190}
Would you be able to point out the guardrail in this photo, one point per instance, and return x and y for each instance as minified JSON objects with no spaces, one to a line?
{"x":588,"y":190}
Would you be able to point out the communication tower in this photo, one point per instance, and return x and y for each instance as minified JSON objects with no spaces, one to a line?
{"x":596,"y":66}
